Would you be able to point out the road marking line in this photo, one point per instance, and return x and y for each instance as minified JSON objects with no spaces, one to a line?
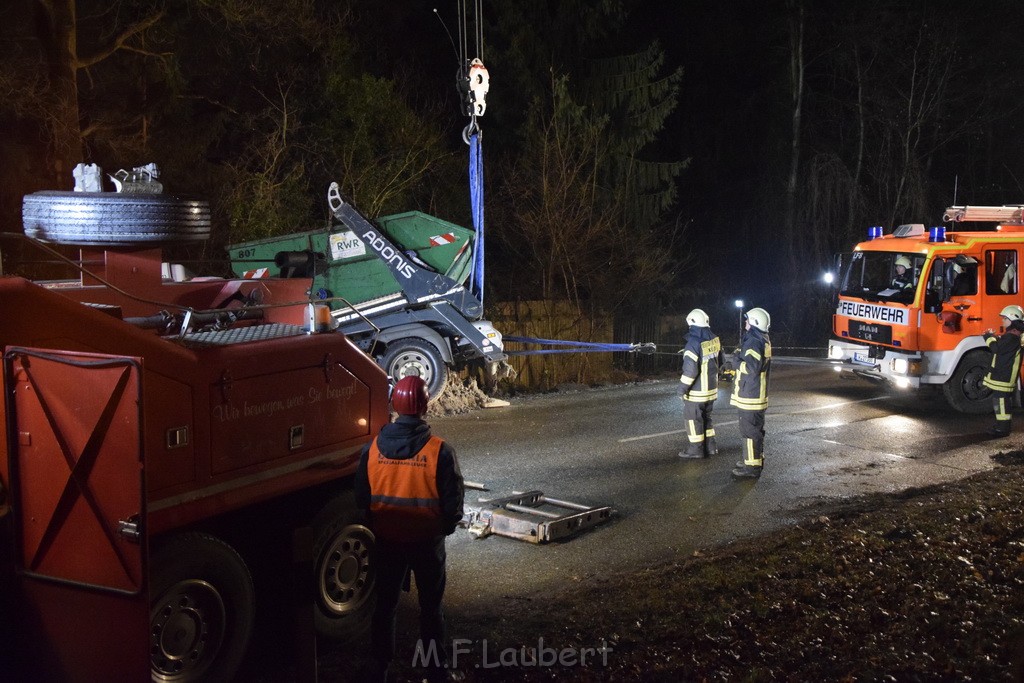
{"x":732,"y":422}
{"x":835,"y":405}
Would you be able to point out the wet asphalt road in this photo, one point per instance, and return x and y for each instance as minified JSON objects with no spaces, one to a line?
{"x":826,"y":438}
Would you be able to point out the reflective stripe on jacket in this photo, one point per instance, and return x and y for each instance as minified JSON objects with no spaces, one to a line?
{"x":404,"y":502}
{"x":700,"y":365}
{"x":1005,"y":369}
{"x":750,"y":388}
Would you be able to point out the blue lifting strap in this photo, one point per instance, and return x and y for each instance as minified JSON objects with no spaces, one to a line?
{"x":476,"y":197}
{"x":575,"y":346}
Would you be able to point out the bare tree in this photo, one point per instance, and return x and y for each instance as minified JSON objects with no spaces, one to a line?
{"x":796,"y":90}
{"x":56,"y":24}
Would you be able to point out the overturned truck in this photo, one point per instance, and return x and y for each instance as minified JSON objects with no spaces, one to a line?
{"x":396,"y":287}
{"x":162,"y":441}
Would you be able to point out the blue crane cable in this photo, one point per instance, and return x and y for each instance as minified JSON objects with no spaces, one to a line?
{"x":476,"y":197}
{"x":575,"y":346}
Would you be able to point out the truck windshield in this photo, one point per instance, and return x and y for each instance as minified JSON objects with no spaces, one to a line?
{"x":881,"y":276}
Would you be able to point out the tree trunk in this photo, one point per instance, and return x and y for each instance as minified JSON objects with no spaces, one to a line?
{"x":796,"y":72}
{"x":56,"y":27}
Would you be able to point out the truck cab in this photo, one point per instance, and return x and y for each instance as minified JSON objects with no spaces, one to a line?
{"x":924,"y":327}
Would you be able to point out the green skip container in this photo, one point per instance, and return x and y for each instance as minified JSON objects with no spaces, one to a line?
{"x":344,"y":267}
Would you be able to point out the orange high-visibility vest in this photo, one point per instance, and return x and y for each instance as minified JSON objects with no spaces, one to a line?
{"x":404,"y":502}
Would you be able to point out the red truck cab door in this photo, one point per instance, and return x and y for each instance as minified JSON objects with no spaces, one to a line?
{"x":75,"y":461}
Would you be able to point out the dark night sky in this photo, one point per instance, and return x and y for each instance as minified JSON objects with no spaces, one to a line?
{"x":733,"y":114}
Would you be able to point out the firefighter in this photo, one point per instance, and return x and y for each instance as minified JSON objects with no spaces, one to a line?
{"x":750,"y":391}
{"x":904,"y":278}
{"x":409,"y":483}
{"x":1005,"y":371}
{"x":698,"y":385}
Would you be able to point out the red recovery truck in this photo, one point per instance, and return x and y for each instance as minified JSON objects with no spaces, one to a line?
{"x":157,"y":433}
{"x":924,"y":327}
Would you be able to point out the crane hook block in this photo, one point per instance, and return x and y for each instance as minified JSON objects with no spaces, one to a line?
{"x":478,"y":85}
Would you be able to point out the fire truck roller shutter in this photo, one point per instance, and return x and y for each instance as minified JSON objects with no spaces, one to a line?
{"x":114,"y":219}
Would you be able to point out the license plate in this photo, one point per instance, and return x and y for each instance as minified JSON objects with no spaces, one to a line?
{"x":862,"y":359}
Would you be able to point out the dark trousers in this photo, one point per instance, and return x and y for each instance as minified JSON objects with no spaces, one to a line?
{"x":697,"y":420}
{"x":751,"y":424}
{"x":1002,"y":402}
{"x":427,"y":561}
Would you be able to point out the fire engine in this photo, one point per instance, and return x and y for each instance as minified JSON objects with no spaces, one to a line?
{"x":913,"y":304}
{"x":161,"y":439}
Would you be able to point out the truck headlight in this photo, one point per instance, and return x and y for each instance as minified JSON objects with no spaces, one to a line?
{"x":900,"y":366}
{"x":835,"y":352}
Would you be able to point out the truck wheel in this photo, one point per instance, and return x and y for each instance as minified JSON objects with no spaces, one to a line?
{"x":114,"y":219}
{"x":411,"y":356}
{"x":964,"y":390}
{"x":344,"y":570}
{"x":202,"y":614}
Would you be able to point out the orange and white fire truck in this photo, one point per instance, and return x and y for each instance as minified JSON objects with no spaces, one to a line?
{"x":913,"y":305}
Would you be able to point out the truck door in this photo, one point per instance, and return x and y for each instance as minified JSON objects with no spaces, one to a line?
{"x":76,"y":478}
{"x":958,"y":279}
{"x":1001,"y":285}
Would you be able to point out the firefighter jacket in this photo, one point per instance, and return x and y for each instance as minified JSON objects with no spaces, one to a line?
{"x":750,"y":388}
{"x":1006,"y":349}
{"x":701,"y":357}
{"x":409,"y":483}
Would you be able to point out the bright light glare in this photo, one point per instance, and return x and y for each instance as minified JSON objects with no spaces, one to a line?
{"x":902,"y":382}
{"x":900,"y":366}
{"x":739,"y":303}
{"x":837,"y":368}
{"x":828,"y":278}
{"x":835,"y":352}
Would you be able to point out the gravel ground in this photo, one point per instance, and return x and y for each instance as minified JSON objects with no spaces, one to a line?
{"x":924,"y":585}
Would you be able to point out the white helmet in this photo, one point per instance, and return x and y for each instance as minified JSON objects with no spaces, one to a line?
{"x":759,"y":318}
{"x":1013,"y":312}
{"x":903,"y":261}
{"x":698,"y":318}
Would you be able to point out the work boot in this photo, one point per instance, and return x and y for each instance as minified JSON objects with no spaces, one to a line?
{"x":746,"y":472}
{"x":694,"y":450}
{"x":998,"y":431}
{"x":710,"y":447}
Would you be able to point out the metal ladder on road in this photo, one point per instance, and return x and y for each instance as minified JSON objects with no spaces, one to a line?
{"x":531,"y":516}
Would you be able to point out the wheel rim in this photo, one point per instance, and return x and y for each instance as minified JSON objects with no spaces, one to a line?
{"x":344,"y":575}
{"x":973,"y":385}
{"x":186,"y":630}
{"x":412,"y":362}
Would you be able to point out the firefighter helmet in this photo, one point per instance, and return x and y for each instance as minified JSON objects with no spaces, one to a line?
{"x":759,"y":318}
{"x":410,"y":396}
{"x":903,"y":261}
{"x":1012,"y":312}
{"x":698,"y":318}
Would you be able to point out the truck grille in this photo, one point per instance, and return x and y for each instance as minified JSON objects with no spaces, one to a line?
{"x":242,"y":335}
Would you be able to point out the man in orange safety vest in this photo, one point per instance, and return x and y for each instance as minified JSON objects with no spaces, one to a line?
{"x":409,"y":484}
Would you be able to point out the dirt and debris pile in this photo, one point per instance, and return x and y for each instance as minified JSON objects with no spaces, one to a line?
{"x":459,"y":396}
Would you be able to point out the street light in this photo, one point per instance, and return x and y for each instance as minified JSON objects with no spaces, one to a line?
{"x":739,"y":306}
